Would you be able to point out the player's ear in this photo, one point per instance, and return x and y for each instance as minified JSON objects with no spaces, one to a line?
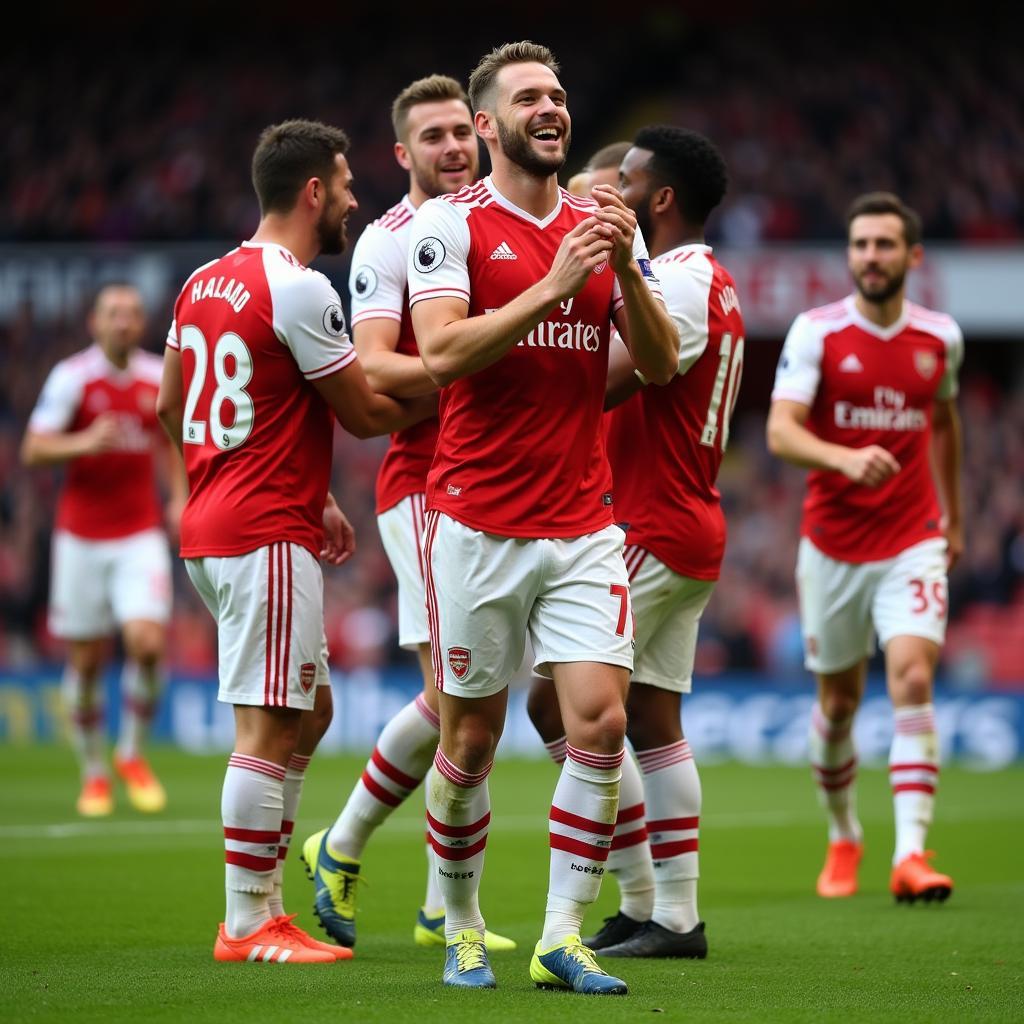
{"x":663,"y":199}
{"x":483,"y":122}
{"x":402,"y":156}
{"x":314,"y":192}
{"x":916,"y":256}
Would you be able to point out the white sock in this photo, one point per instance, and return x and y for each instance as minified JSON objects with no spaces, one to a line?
{"x":580,"y":829}
{"x":252,"y":808}
{"x":433,"y":901}
{"x":140,"y":689}
{"x":913,"y":775}
{"x":404,"y":752}
{"x":556,"y":750}
{"x":458,"y":816}
{"x":834,"y":764}
{"x":85,"y":717}
{"x":294,"y":777}
{"x":630,"y":857}
{"x":673,"y":793}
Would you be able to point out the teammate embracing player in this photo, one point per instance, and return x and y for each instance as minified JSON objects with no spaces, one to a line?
{"x":665,"y":446}
{"x":437,"y":145}
{"x":513,"y":283}
{"x":864,"y":397}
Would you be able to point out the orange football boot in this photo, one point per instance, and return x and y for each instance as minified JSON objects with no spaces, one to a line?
{"x":338,"y":952}
{"x":96,"y":799}
{"x":144,"y":789}
{"x":272,"y":943}
{"x":838,"y":877}
{"x":913,"y":878}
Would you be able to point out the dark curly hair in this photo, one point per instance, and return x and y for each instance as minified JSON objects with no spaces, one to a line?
{"x":687,"y":162}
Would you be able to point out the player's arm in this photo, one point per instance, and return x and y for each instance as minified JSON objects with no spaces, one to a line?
{"x":642,"y":320}
{"x":170,"y":401}
{"x":389,"y":372}
{"x":947,"y":455}
{"x":365,"y":413}
{"x":623,"y":381}
{"x":453,"y":345}
{"x":789,"y":439}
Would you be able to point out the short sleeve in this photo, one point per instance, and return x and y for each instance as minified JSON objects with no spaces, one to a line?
{"x":799,"y":369}
{"x":308,"y":319}
{"x":376,"y":282}
{"x":643,"y":260}
{"x":949,"y":386}
{"x":686,"y":287}
{"x":438,"y":263}
{"x":172,"y":340}
{"x":58,"y":401}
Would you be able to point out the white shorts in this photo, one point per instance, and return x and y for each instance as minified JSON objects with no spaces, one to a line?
{"x":840,"y":602}
{"x":485,"y":593}
{"x":98,"y":585}
{"x":269,"y":607}
{"x":668,"y":608}
{"x":401,"y":532}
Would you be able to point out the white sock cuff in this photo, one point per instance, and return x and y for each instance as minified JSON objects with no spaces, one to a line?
{"x":557,"y":749}
{"x":455,"y":775}
{"x":589,"y":767}
{"x":663,"y":757}
{"x":829,"y":729}
{"x":913,"y":720}
{"x":424,"y":709}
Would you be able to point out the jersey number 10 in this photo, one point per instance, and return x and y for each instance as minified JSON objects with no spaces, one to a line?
{"x":727,"y":381}
{"x":230,"y":389}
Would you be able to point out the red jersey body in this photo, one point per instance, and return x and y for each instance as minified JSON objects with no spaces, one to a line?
{"x":520,"y":451}
{"x":113,"y":494}
{"x":378,"y":286}
{"x":254,"y":328}
{"x":665,"y":444}
{"x":869,"y":385}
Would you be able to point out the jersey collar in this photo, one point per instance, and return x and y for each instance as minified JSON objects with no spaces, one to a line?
{"x":250,"y":244}
{"x":512,"y":208}
{"x":882,"y":333}
{"x":685,"y":250}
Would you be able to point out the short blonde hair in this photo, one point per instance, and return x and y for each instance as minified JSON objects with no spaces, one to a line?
{"x":481,"y":81}
{"x":432,"y":89}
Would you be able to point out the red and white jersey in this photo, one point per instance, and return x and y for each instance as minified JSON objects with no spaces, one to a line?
{"x":254,"y":329}
{"x":520,"y":451}
{"x":379,"y":289}
{"x":665,"y":444}
{"x":112,"y":494}
{"x":871,"y":385}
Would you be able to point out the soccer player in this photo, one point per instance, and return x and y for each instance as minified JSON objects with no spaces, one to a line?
{"x":437,"y":145}
{"x":864,"y":398}
{"x":512,"y":284}
{"x":111,"y":566}
{"x":601,"y":169}
{"x":257,"y":360}
{"x":665,"y":446}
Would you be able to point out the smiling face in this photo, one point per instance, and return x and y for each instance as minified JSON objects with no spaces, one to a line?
{"x":331,"y":228}
{"x":530,"y":118}
{"x":440,"y":151}
{"x":878,"y":255}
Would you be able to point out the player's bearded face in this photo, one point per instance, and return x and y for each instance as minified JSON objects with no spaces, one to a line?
{"x":879,"y":284}
{"x":519,"y":145}
{"x":331,"y":228}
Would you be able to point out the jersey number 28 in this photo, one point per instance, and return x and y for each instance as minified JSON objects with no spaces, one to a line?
{"x":230,"y":389}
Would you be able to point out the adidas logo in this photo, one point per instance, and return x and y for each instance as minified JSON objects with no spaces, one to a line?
{"x":851,"y":364}
{"x":503,"y":252}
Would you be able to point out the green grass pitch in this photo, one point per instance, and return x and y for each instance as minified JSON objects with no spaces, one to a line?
{"x":114,"y":920}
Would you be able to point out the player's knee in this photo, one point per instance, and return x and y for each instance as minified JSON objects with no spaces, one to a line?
{"x":604,"y":733}
{"x":911,"y":683}
{"x":471,"y":747}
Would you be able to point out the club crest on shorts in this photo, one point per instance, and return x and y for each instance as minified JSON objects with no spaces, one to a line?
{"x":307,"y":676}
{"x":459,"y":660}
{"x":925,"y":363}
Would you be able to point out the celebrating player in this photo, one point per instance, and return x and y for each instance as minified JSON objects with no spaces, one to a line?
{"x":665,"y":446}
{"x":257,"y":359}
{"x":864,"y":397}
{"x":436,"y":144}
{"x":511,"y":284}
{"x":111,"y":567}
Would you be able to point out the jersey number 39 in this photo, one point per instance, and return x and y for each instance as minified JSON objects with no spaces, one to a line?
{"x":232,"y":370}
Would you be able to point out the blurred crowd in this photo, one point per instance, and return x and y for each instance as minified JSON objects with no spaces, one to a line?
{"x":154,"y":142}
{"x":750,"y":624}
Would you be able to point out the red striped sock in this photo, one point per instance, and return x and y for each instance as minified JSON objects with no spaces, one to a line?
{"x":630,"y":857}
{"x":913,"y":776}
{"x":834,"y":766}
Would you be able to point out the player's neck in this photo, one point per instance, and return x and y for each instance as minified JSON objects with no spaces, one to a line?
{"x":416,"y":195}
{"x":116,"y":357}
{"x":881,"y":314}
{"x":533,"y":195}
{"x":284,"y":231}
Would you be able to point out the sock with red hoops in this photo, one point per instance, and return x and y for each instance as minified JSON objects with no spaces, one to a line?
{"x":580,"y":829}
{"x":294,"y":777}
{"x":85,"y":713}
{"x":252,"y":808}
{"x":672,"y":790}
{"x":834,"y":764}
{"x":140,"y":689}
{"x":458,"y":815}
{"x":630,"y":857}
{"x":913,"y":775}
{"x":403,"y":755}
